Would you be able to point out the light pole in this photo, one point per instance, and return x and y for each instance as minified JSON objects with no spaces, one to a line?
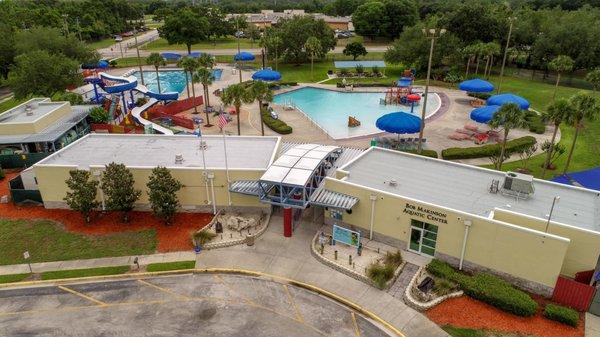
{"x":137,"y":50}
{"x":554,"y":201}
{"x":432,"y":34}
{"x":510,"y":27}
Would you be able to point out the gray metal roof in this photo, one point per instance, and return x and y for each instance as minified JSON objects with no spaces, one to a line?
{"x":327,"y":198}
{"x":245,"y":152}
{"x":249,"y":187}
{"x":348,"y":154}
{"x":466,"y":188}
{"x":52,"y":132}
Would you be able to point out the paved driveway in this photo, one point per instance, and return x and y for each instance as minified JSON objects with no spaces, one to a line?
{"x":178,"y":305}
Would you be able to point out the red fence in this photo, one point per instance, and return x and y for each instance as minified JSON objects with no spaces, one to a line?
{"x":177,"y":120}
{"x":573,"y":294}
{"x":111,"y":128}
{"x":176,"y":107}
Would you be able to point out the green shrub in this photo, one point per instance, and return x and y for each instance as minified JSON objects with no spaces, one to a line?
{"x":141,"y":101}
{"x":276,"y":125}
{"x":99,"y":115}
{"x":380,"y":274}
{"x":71,"y":97}
{"x":489,"y":150}
{"x":561,"y":314}
{"x":2,"y":175}
{"x":393,"y":259}
{"x":535,"y":123}
{"x":487,"y":288}
{"x":202,"y":237}
{"x":426,"y":153}
{"x":443,"y":287}
{"x":484,"y":96}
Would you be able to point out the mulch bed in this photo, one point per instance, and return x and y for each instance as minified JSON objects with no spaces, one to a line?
{"x":466,"y":312}
{"x":175,"y":237}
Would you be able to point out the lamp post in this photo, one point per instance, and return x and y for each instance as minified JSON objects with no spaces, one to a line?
{"x":137,"y":50}
{"x":510,"y":27}
{"x":432,"y":34}
{"x":554,"y":201}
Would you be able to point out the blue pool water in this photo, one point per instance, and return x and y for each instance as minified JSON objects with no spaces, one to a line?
{"x":217,"y":73}
{"x":330,"y":109}
{"x":170,"y":81}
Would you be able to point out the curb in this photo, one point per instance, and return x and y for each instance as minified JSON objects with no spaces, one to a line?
{"x":299,"y":284}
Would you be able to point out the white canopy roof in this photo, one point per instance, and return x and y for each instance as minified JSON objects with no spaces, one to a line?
{"x":297,"y":165}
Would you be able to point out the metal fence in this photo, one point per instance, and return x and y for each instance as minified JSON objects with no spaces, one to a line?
{"x":19,"y":194}
{"x":573,"y":294}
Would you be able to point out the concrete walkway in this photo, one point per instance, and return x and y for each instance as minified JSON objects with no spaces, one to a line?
{"x":408,"y":272}
{"x":592,"y":325}
{"x":291,"y":258}
{"x":94,"y":263}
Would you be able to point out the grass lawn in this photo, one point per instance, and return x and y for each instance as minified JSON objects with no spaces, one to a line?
{"x":220,"y":43}
{"x":60,"y":274}
{"x":13,"y":278}
{"x":171,"y":266}
{"x":10,"y":103}
{"x":461,"y":332}
{"x":103,"y":43}
{"x":48,"y":241}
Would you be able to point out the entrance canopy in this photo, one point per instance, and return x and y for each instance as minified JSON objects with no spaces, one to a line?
{"x":353,"y":64}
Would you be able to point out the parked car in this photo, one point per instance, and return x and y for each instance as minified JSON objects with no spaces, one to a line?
{"x":118,"y":38}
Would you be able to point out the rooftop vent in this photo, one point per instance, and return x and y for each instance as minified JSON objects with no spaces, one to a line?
{"x":393,"y":183}
{"x":28,"y":111}
{"x":178,"y":159}
{"x":518,"y":185}
{"x":202,"y":145}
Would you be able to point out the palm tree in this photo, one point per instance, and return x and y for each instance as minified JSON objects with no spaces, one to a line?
{"x":206,"y":77}
{"x":594,"y":78}
{"x":271,"y":43}
{"x":490,"y":49}
{"x":478,"y":50}
{"x":188,"y":64}
{"x":509,"y":116}
{"x":206,"y":61}
{"x":469,"y":52}
{"x":236,"y":95}
{"x":262,"y":93}
{"x":556,"y":113}
{"x":157,"y":61}
{"x":312,"y":47}
{"x":585,"y":107}
{"x":560,"y":64}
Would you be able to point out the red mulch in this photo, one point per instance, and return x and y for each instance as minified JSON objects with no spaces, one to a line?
{"x":465,"y":312}
{"x":175,"y":237}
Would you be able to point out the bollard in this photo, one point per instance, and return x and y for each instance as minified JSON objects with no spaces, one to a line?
{"x":353,"y":265}
{"x":221,"y":237}
{"x":350,"y":259}
{"x":335,"y":255}
{"x":377,"y":250}
{"x":322,"y":249}
{"x":231,"y":235}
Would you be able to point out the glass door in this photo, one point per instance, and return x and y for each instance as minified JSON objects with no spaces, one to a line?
{"x":415,"y":239}
{"x":423,"y":237}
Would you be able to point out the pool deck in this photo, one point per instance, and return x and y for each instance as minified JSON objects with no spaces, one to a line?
{"x":453,"y":114}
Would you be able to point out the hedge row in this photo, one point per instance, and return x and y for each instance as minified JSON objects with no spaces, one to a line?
{"x":276,"y":125}
{"x":536,"y":125}
{"x":561,"y":314}
{"x":484,"y":96}
{"x":512,"y":146}
{"x":426,"y":153}
{"x":487,"y":288}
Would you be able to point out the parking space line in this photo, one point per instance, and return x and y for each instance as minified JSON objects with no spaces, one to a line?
{"x":69,"y":290}
{"x":289,"y":295}
{"x":168,"y":291}
{"x":222,"y":281}
{"x":355,"y":324}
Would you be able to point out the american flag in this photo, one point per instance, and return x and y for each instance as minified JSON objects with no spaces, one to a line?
{"x":222,"y":121}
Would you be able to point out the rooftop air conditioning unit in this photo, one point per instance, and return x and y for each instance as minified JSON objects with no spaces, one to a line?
{"x":178,"y":159}
{"x":517,"y":184}
{"x":393,"y":183}
{"x":202,"y":145}
{"x":28,"y":111}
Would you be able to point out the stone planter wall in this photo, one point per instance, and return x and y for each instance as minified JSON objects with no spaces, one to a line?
{"x":416,"y":304}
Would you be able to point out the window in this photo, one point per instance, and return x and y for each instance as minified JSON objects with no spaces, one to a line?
{"x":423,"y":237}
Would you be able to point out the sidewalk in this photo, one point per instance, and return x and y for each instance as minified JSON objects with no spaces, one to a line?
{"x":94,"y":263}
{"x":592,"y":325}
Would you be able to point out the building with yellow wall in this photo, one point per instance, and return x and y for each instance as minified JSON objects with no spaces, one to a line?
{"x":453,"y":211}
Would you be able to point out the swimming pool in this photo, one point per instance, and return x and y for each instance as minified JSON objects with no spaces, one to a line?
{"x":170,"y":81}
{"x":330,"y":109}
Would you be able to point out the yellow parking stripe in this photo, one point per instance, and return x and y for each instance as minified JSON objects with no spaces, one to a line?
{"x":222,"y":281}
{"x":82,"y":295}
{"x":168,"y":291}
{"x":356,"y":330}
{"x":289,"y":295}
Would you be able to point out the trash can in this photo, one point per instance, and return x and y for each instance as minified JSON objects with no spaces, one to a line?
{"x":373,"y":142}
{"x":250,"y":240}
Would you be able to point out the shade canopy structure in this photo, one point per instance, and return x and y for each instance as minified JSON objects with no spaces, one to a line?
{"x":485,"y":113}
{"x":243,"y":56}
{"x":507,"y":99}
{"x":476,"y":85}
{"x":170,"y":56}
{"x":404,"y":82}
{"x":399,"y":122}
{"x":588,"y":179}
{"x":102,"y":64}
{"x":266,"y":75}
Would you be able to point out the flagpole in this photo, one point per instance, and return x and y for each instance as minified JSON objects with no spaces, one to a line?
{"x":205,"y":172}
{"x":226,"y":166}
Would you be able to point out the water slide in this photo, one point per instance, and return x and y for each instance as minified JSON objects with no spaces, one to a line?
{"x":130,"y":83}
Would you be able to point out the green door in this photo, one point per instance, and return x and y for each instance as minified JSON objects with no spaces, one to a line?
{"x":423,"y":237}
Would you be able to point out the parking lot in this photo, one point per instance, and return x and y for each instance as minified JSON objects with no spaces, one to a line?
{"x":178,"y":305}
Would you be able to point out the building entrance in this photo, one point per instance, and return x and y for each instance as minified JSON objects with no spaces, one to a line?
{"x":423,"y":237}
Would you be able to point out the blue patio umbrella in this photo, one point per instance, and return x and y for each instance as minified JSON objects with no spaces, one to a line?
{"x":102,"y":64}
{"x":243,"y":56}
{"x":195,"y":54}
{"x":507,"y":99}
{"x":485,"y":113}
{"x":399,"y":122}
{"x":171,"y":56}
{"x":476,"y":85}
{"x":266,"y":75}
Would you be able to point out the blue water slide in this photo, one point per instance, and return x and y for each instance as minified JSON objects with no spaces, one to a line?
{"x":122,"y":83}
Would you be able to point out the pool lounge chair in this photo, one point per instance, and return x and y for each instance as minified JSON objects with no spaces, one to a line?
{"x":459,"y":136}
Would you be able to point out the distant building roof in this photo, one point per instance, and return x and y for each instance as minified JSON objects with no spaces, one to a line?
{"x":30,"y":111}
{"x":159,"y":150}
{"x":53,"y":131}
{"x":466,"y":188}
{"x":272,"y":17}
{"x":354,"y":64}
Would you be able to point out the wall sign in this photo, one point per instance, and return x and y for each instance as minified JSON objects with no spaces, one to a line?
{"x":425,"y":213}
{"x":344,"y":235}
